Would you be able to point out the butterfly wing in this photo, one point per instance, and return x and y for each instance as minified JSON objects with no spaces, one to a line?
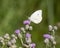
{"x":36,"y":17}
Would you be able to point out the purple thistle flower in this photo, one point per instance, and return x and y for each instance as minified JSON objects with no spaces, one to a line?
{"x":28,"y":35}
{"x":33,"y":45}
{"x":47,"y":36}
{"x":26,"y":22}
{"x":17,"y":31}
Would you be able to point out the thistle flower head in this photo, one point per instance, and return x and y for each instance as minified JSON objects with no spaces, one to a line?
{"x":33,"y":45}
{"x":17,"y":31}
{"x":28,"y":35}
{"x":47,"y":36}
{"x":26,"y":22}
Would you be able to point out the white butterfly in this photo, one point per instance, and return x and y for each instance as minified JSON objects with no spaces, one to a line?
{"x":36,"y":17}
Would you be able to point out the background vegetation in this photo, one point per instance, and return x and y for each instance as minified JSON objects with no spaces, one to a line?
{"x":14,"y":12}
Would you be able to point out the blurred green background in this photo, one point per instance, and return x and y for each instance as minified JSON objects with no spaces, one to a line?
{"x":14,"y":12}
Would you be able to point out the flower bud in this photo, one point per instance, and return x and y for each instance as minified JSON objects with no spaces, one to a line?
{"x":13,"y":41}
{"x":9,"y":44}
{"x":2,"y":42}
{"x":55,"y":28}
{"x":19,"y":35}
{"x":6,"y":36}
{"x":46,"y":41}
{"x":52,"y":38}
{"x":13,"y":36}
{"x":27,"y":27}
{"x":30,"y":28}
{"x":22,"y":28}
{"x":1,"y":38}
{"x":50,"y":28}
{"x":54,"y":42}
{"x":28,"y":40}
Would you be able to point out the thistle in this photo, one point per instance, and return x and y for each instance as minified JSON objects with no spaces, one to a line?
{"x":50,"y":40}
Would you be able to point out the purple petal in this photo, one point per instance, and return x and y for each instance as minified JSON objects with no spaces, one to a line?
{"x":17,"y":31}
{"x":33,"y":45}
{"x":28,"y":35}
{"x":46,"y":36}
{"x":26,"y":22}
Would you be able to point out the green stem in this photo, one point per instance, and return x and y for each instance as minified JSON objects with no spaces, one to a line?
{"x":46,"y":45}
{"x":3,"y":46}
{"x":21,"y":41}
{"x":50,"y":7}
{"x":53,"y":33}
{"x":54,"y":46}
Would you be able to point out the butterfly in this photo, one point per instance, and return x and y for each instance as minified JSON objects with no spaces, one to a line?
{"x":36,"y":17}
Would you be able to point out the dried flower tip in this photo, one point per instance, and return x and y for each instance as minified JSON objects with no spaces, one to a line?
{"x":50,"y":28}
